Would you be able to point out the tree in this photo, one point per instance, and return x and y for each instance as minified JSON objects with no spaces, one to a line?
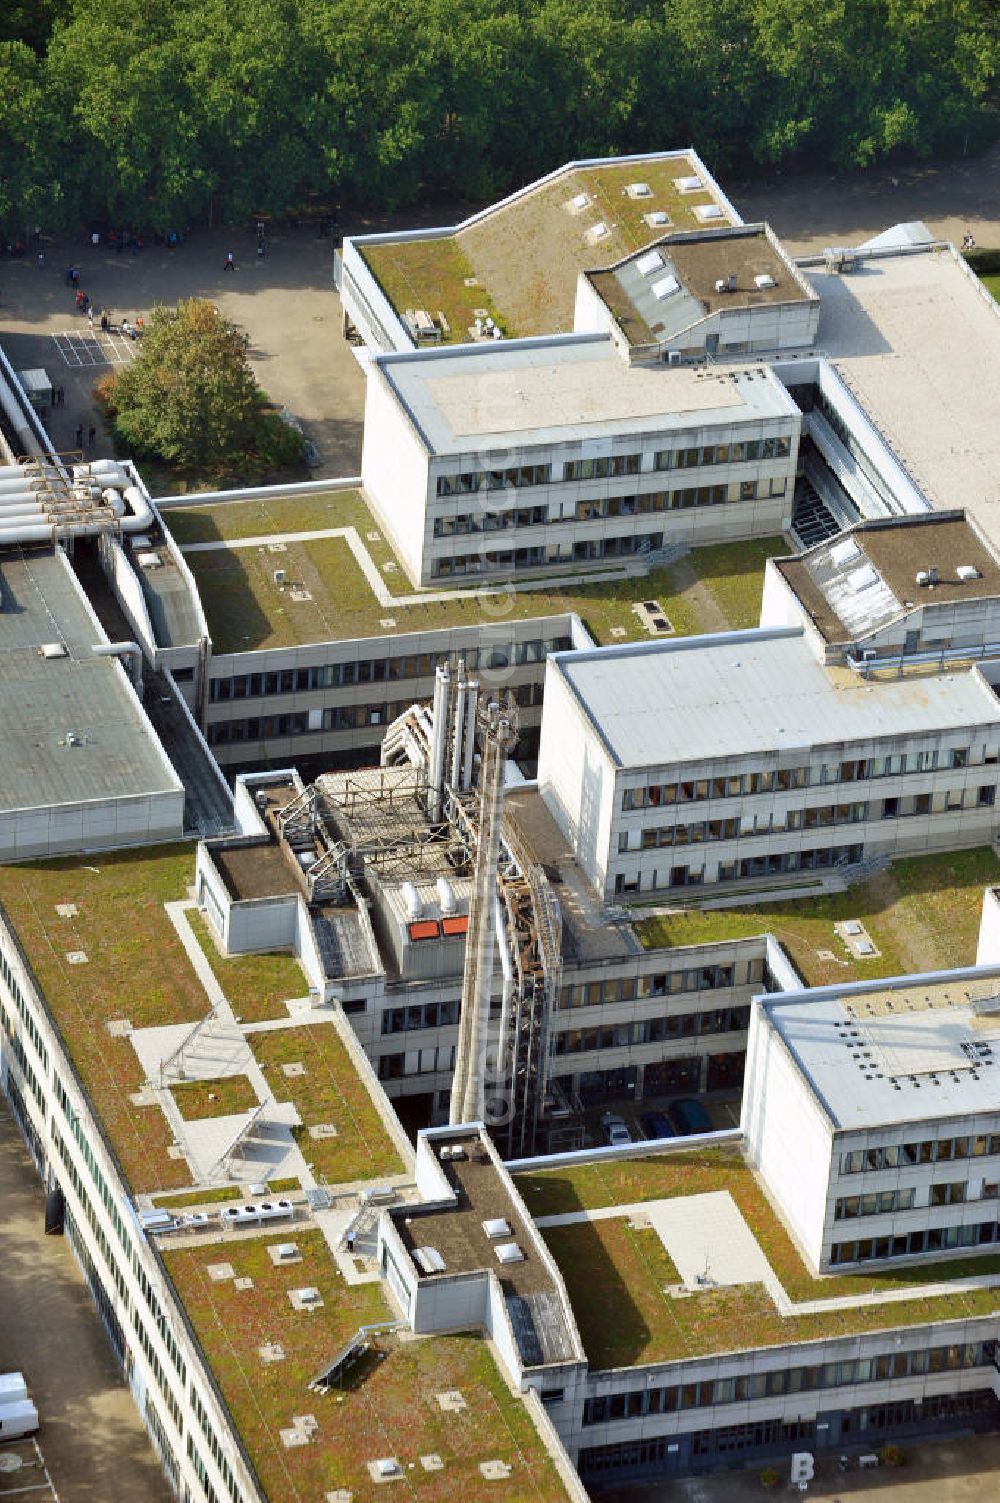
{"x":189,"y":397}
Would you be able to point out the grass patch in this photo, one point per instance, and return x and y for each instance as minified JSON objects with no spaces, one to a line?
{"x":734,"y":575}
{"x":226,"y":1097}
{"x":330,"y":1091}
{"x":256,"y":986}
{"x":431,"y":274}
{"x":649,"y":1327}
{"x":279,"y":1186}
{"x":389,"y":1410}
{"x":136,"y":968}
{"x":991,"y":281}
{"x":207,"y":1197}
{"x":923,"y":914}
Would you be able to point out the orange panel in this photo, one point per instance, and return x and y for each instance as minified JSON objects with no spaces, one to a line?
{"x":458,"y":925}
{"x":425,"y":929}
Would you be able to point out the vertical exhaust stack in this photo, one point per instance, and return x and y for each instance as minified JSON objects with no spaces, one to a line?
{"x":468,"y":1094}
{"x":458,"y":727}
{"x":439,"y":740}
{"x":471,"y":706}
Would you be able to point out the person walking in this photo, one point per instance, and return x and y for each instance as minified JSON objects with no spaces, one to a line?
{"x":230,"y":263}
{"x":91,"y":435}
{"x":79,"y":436}
{"x":104,"y":320}
{"x":90,"y":317}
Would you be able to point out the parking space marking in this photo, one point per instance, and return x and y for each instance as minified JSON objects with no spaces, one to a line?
{"x":95,"y":348}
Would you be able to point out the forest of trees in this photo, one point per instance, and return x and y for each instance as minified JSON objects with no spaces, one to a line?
{"x":158,"y":114}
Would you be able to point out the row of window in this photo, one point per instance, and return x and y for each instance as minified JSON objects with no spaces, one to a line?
{"x":214,"y":1445}
{"x":825,"y":817}
{"x":781,"y":780}
{"x":652,"y":1030}
{"x":552,"y":553}
{"x":333,"y":718}
{"x":108,"y":1200}
{"x":910,"y":1244}
{"x":421,"y":1015}
{"x":613,"y":466}
{"x":927,"y":1151}
{"x":416,"y":1062}
{"x":595,"y":508}
{"x":955,"y":1193}
{"x":711,"y":1391}
{"x":703,"y":978}
{"x":502,"y":654}
{"x":24,"y":1011}
{"x":774,"y":865}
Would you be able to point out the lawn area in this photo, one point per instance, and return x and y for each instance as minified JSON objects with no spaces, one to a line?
{"x":734,"y":574}
{"x":226,"y":1097}
{"x":135,"y":968}
{"x":635,"y":1321}
{"x":330,"y":1092}
{"x":256,"y":986}
{"x":202,"y":1197}
{"x":247,"y":611}
{"x":388,"y":1409}
{"x":992,"y":282}
{"x":923,"y":914}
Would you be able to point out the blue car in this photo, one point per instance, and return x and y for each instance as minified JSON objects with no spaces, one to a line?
{"x":655,"y":1125}
{"x":688,"y":1116}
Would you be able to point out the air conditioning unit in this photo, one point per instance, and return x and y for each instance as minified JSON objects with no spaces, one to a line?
{"x":279,"y":578}
{"x":673,"y":357}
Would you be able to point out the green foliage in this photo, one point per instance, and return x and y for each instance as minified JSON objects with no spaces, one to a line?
{"x":122,"y":112}
{"x":190,"y":398}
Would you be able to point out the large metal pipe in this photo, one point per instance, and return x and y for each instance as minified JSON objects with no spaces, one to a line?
{"x":471,"y":706}
{"x":458,"y":735}
{"x":130,"y":650}
{"x":435,"y":778}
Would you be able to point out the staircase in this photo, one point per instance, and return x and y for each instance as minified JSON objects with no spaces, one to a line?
{"x":812,"y":520}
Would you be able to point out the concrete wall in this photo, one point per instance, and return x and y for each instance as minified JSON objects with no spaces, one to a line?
{"x":988,"y":949}
{"x":576,"y":777}
{"x":788,"y":1136}
{"x":394,"y":471}
{"x":92,"y":825}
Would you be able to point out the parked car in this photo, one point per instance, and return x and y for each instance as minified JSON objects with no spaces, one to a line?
{"x":688,"y":1116}
{"x":614,"y":1130}
{"x":655,"y":1125}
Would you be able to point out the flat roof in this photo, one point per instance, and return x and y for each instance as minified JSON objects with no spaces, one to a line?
{"x":845,"y":605}
{"x":907,"y":1050}
{"x":659,"y":292}
{"x":399,"y":1400}
{"x":550,"y":391}
{"x":114,"y":752}
{"x":918,"y":340}
{"x":519,"y":259}
{"x":752,"y":693}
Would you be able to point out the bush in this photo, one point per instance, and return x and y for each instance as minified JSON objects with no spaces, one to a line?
{"x":891,"y":1455}
{"x":983,"y":261}
{"x":770,"y":1477}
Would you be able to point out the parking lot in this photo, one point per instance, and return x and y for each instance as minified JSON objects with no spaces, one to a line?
{"x":91,"y":1445}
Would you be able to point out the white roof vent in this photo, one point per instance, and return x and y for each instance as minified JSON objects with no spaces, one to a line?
{"x":509,"y":1252}
{"x":639,"y":190}
{"x":412,"y":899}
{"x":149,"y":561}
{"x":52,"y":650}
{"x":286,"y":1252}
{"x":665,"y":287}
{"x":658,"y":216}
{"x":446,"y":896}
{"x":707,"y":212}
{"x":597,"y":231}
{"x":309,"y":1297}
{"x":651,"y":261}
{"x":687,"y":184}
{"x":387,"y":1466}
{"x":764,"y":280}
{"x":862,"y":579}
{"x":429,"y":1259}
{"x":967,"y":572}
{"x":580,"y":201}
{"x":496,"y":1228}
{"x":842,"y":553}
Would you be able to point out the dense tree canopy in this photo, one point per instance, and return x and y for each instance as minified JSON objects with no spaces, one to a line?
{"x":155,"y":116}
{"x":190,"y":398}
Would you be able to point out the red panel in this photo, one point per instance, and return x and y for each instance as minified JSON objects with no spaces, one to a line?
{"x":425,"y":929}
{"x":457,"y":925}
